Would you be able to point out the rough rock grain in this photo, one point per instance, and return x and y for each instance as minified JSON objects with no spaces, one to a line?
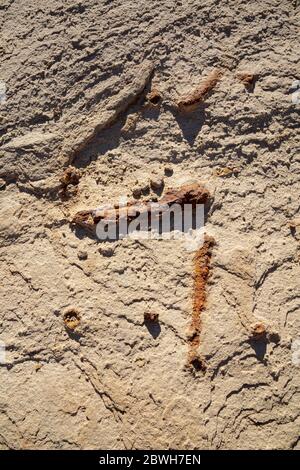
{"x":74,"y":71}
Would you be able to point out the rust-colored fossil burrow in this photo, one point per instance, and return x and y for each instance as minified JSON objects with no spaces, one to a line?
{"x":71,"y":175}
{"x":190,"y":101}
{"x":201,"y":272}
{"x":193,"y":193}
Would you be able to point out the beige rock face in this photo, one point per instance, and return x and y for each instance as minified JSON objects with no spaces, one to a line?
{"x":74,"y":73}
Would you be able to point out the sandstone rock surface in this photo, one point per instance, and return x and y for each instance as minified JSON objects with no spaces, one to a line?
{"x":76,"y":74}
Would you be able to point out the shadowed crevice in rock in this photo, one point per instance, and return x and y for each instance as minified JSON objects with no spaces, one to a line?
{"x":153,"y":328}
{"x":190,"y":123}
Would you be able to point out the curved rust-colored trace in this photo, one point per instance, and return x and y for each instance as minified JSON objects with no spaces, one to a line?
{"x":198,"y":95}
{"x":202,"y":269}
{"x":188,"y":194}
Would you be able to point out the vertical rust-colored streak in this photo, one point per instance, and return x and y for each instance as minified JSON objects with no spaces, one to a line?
{"x":202,"y":268}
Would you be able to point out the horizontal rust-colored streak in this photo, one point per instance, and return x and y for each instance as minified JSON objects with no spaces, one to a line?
{"x":188,"y":194}
{"x":202,"y":268}
{"x":199,"y":94}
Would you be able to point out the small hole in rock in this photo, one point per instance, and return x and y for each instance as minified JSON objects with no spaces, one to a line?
{"x":71,"y":318}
